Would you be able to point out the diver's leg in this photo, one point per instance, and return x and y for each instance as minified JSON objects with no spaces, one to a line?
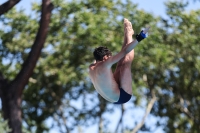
{"x":122,"y":73}
{"x":127,"y":24}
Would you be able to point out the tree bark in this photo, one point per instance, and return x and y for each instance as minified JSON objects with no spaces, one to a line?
{"x":11,"y":106}
{"x":11,"y":93}
{"x":7,"y":6}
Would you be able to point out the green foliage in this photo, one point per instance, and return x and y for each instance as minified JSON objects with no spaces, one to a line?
{"x":179,"y":89}
{"x":4,"y":125}
{"x":17,"y":36}
{"x":167,"y":62}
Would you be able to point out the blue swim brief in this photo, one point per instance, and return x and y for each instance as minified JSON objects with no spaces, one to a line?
{"x":124,"y":97}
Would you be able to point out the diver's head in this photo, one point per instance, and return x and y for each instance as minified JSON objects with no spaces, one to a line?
{"x":101,"y":52}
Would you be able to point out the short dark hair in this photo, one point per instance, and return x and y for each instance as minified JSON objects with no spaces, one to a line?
{"x":100,"y":52}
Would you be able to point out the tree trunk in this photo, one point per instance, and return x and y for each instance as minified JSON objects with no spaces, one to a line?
{"x":11,"y":107}
{"x":11,"y":93}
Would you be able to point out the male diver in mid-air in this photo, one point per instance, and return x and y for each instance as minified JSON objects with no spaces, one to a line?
{"x":115,"y":87}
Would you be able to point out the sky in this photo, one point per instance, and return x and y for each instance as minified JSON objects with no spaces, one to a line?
{"x":153,"y":6}
{"x":156,"y":7}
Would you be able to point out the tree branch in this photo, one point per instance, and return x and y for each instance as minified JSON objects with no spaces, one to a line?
{"x":120,"y":120}
{"x":7,"y":6}
{"x":149,"y":107}
{"x":27,"y":68}
{"x":1,"y":83}
{"x":100,"y":124}
{"x":185,"y":109}
{"x":102,"y":106}
{"x":60,"y":118}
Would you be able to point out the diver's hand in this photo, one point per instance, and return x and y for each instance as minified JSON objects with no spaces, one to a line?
{"x":142,"y":35}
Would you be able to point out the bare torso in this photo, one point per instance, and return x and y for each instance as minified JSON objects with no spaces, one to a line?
{"x":104,"y":82}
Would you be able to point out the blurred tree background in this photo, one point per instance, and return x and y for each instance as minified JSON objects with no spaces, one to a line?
{"x":166,"y":68}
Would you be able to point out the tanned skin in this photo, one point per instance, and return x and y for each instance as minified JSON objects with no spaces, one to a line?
{"x":104,"y":80}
